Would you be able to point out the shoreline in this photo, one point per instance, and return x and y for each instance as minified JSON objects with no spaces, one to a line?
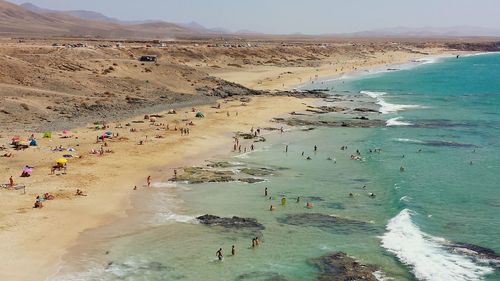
{"x":208,"y":135}
{"x":121,"y":198}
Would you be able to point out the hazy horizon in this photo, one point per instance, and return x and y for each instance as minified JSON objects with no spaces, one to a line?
{"x":295,"y":16}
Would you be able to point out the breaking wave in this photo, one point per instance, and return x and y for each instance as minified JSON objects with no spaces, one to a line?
{"x":385,"y":107}
{"x":427,"y":255}
{"x":396,"y":122}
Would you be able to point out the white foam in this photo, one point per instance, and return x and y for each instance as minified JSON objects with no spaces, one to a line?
{"x":396,"y":122}
{"x":385,"y":107}
{"x":173,"y":217}
{"x":381,"y":276}
{"x":164,"y":184}
{"x":405,"y":199}
{"x":426,"y":254}
{"x":408,"y":140}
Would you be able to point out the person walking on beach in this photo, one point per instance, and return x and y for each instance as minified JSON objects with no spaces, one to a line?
{"x":175,"y":174}
{"x":219,"y":254}
{"x":11,"y":182}
{"x":148,"y":180}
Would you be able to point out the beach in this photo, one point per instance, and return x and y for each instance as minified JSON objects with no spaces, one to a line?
{"x":39,"y":238}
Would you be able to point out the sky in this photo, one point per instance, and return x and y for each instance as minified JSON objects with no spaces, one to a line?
{"x":295,"y":16}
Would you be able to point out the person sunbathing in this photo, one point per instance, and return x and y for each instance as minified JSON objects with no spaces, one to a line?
{"x":80,"y":193}
{"x":48,"y":196}
{"x":38,"y":205}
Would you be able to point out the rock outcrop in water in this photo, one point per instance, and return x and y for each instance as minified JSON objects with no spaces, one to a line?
{"x":350,"y":123}
{"x":202,"y":175}
{"x":233,"y":223}
{"x":476,"y":251}
{"x":340,"y":267}
{"x":213,"y":173}
{"x":326,"y":222}
{"x":261,"y":276}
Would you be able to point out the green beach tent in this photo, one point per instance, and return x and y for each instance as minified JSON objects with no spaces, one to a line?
{"x":47,"y":135}
{"x":200,"y":115}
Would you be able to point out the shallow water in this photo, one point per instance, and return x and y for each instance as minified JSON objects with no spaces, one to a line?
{"x":450,"y":115}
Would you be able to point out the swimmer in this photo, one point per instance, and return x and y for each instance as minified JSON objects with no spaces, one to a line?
{"x":401,"y":169}
{"x":372,"y":195}
{"x":257,"y":242}
{"x":329,"y":158}
{"x":308,"y":158}
{"x":272,"y":208}
{"x":309,"y":205}
{"x":350,"y":194}
{"x":219,"y":254}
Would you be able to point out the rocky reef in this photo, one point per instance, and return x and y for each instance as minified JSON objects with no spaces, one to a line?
{"x":340,"y":267}
{"x":326,"y":223}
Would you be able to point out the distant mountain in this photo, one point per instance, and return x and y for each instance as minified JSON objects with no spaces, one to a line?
{"x":454,"y":31}
{"x":200,"y":28}
{"x":83,"y":14}
{"x":30,"y":20}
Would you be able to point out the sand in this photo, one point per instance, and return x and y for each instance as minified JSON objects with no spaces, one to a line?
{"x":33,"y":241}
{"x":288,"y":77}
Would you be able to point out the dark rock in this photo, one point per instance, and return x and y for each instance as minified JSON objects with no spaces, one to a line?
{"x":364,"y":109}
{"x":257,"y":172}
{"x":340,"y":267}
{"x":200,"y":175}
{"x":234,"y":222}
{"x":327,"y":223}
{"x":251,"y":180}
{"x":475,"y":250}
{"x":222,"y":164}
{"x":263,"y":276}
{"x":352,"y":123}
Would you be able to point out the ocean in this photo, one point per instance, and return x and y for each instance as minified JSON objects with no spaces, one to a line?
{"x":433,"y":171}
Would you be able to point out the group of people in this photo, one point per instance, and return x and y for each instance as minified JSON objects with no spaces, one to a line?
{"x":40,"y":199}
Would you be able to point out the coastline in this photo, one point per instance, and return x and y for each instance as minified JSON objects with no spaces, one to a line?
{"x":118,"y":198}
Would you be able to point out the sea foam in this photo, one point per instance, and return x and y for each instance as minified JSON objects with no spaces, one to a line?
{"x":397,"y":122}
{"x":385,"y":107}
{"x":426,"y":254}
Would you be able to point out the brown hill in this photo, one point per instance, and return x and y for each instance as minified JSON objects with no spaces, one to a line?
{"x":18,"y":21}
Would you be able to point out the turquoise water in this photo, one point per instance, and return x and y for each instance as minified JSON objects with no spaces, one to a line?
{"x":443,"y":115}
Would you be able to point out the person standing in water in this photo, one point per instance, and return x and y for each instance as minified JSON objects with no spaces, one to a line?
{"x":286,"y":149}
{"x":315,"y":148}
{"x":219,"y":254}
{"x":265,"y":192}
{"x":233,"y":251}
